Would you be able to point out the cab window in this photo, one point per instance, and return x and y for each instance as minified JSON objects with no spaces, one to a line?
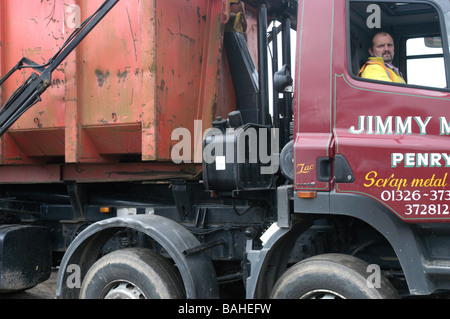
{"x":415,"y":28}
{"x":425,"y":62}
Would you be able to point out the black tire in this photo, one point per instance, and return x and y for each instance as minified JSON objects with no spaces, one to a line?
{"x":132,"y":273}
{"x":333,"y":276}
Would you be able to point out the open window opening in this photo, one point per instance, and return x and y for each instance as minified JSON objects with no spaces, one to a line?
{"x":417,"y":33}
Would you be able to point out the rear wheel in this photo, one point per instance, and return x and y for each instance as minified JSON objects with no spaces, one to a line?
{"x":331,"y":276}
{"x":132,"y":273}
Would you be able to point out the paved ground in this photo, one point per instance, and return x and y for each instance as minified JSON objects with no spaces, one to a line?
{"x":45,"y":290}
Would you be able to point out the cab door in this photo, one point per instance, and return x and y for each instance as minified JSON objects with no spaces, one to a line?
{"x":394,"y":137}
{"x":313,"y":141}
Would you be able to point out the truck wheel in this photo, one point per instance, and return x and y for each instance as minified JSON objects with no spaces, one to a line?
{"x":332,"y":276}
{"x":132,"y":273}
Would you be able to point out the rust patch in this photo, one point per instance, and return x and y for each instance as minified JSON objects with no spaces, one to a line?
{"x":187,"y":37}
{"x":56,"y":83}
{"x":122,"y":75}
{"x":101,"y":77}
{"x":163,"y":85}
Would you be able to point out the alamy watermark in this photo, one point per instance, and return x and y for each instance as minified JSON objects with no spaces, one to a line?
{"x":253,"y":145}
{"x":374,"y":19}
{"x":73,"y":280}
{"x":374,"y":279}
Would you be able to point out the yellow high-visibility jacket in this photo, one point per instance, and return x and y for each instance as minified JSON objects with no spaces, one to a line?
{"x":375,"y":69}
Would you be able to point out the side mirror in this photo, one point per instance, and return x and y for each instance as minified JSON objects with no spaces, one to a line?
{"x":283,"y":81}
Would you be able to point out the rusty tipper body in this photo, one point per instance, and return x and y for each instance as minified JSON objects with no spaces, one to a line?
{"x":158,"y":149}
{"x":120,"y":94}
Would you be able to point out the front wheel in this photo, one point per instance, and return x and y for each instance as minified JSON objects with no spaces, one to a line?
{"x":132,"y":273}
{"x":331,"y":276}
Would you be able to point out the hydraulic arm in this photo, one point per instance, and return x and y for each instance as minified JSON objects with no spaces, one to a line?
{"x":29,"y":93}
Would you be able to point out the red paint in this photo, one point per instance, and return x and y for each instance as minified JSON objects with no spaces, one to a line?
{"x":329,"y":102}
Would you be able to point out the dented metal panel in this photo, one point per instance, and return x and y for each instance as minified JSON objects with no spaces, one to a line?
{"x":149,"y":67}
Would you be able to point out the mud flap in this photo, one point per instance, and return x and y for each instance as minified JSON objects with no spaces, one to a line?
{"x":25,"y":257}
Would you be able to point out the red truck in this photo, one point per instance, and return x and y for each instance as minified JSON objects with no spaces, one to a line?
{"x":159,"y":150}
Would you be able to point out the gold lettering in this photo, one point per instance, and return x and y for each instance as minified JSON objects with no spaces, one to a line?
{"x":430,"y":182}
{"x":373,"y":180}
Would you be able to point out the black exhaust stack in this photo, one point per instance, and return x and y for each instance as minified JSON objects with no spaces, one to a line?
{"x":262,"y":66}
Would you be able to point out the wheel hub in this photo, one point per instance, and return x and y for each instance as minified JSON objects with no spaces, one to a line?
{"x":124,"y":290}
{"x":322,"y":294}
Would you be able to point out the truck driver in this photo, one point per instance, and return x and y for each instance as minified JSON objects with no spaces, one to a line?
{"x":379,"y":66}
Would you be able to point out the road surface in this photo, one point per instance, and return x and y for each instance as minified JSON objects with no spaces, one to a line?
{"x":46,"y":290}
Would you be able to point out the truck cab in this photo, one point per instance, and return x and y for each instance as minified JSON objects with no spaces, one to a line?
{"x":377,"y":150}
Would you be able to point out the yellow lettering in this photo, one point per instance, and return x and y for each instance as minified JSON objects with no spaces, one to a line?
{"x":417,"y":182}
{"x":430,"y":182}
{"x":303,"y":169}
{"x":371,"y":179}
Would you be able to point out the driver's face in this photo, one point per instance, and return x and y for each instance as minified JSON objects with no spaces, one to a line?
{"x":383,"y":46}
